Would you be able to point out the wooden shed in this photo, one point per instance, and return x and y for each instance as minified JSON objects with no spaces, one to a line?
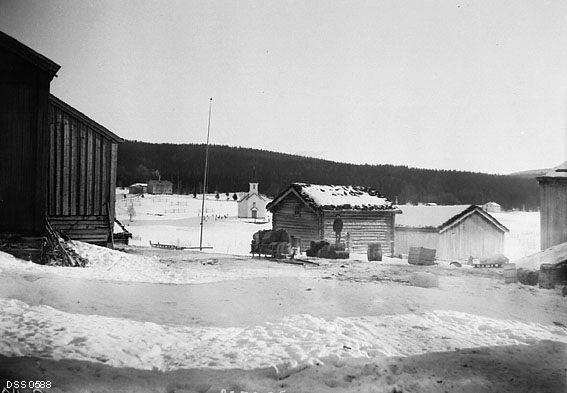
{"x":456,"y":232}
{"x":553,"y":206}
{"x":81,"y":181}
{"x":56,"y":162}
{"x":307,"y":212}
{"x":160,"y":187}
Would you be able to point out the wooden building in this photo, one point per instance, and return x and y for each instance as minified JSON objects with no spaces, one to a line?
{"x":81,"y":181}
{"x":307,"y":212}
{"x":252,"y":204}
{"x":138,"y":188}
{"x":55,"y":161}
{"x":553,"y":206}
{"x":492,"y":207}
{"x":160,"y":187}
{"x":456,"y":232}
{"x":25,"y":77}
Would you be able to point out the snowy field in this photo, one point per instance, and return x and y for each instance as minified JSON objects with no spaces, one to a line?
{"x":144,"y":319}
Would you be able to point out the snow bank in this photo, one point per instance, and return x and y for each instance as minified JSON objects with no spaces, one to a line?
{"x":195,"y":268}
{"x":296,"y":340}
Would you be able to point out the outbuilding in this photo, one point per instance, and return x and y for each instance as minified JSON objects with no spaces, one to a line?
{"x":57,"y":164}
{"x":492,"y":207}
{"x":308,"y":211}
{"x":455,"y":232}
{"x":138,"y":188}
{"x":553,"y":209}
{"x":160,"y":187}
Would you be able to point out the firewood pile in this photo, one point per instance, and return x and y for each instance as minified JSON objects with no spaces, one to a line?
{"x":58,"y":252}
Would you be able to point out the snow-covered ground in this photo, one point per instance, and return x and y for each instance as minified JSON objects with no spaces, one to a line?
{"x":223,"y":311}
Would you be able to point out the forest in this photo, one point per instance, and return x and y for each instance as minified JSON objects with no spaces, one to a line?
{"x":231,"y":169}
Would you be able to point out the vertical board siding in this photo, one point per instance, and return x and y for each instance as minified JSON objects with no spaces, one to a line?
{"x":113,"y":171}
{"x":474,"y":236}
{"x":65,"y":183}
{"x":90,"y":166}
{"x":82,"y":172}
{"x":21,"y":128}
{"x":415,"y":237}
{"x":553,"y":212}
{"x":73,"y":173}
{"x":82,"y":168}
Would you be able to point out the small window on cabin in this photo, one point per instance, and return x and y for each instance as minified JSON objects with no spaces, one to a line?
{"x":297,"y":211}
{"x":253,"y":205}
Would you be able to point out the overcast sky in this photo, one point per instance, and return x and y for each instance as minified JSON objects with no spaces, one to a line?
{"x":469,"y":85}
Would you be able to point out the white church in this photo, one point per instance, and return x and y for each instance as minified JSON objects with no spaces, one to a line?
{"x":252,"y":205}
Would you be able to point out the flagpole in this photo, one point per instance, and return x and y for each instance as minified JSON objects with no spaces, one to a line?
{"x":205,"y":180}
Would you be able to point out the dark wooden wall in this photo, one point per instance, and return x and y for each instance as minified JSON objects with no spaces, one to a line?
{"x":553,"y":211}
{"x":24,"y":97}
{"x":81,"y":175}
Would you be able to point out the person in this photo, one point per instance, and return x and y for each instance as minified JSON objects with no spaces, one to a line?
{"x":338,"y":227}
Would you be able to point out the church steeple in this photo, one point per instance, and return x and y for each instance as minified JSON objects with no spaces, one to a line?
{"x":253,"y":182}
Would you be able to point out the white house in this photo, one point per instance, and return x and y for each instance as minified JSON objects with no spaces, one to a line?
{"x":492,"y":207}
{"x":252,"y":205}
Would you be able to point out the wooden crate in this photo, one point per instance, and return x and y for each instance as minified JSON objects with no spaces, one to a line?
{"x":421,"y":256}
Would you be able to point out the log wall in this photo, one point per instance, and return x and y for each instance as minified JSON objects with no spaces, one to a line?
{"x":364,"y":227}
{"x":298,"y":220}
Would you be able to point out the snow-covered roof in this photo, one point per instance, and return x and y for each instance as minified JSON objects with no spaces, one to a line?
{"x":439,"y":217}
{"x":492,"y":204}
{"x":558,"y":171}
{"x":427,"y":216}
{"x":139,"y":185}
{"x":330,"y":197}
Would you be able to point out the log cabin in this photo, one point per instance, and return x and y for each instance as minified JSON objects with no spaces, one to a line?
{"x":456,"y":232}
{"x":307,"y":212}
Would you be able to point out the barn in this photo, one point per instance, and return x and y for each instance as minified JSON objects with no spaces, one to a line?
{"x":553,"y":206}
{"x":56,"y":162}
{"x":456,"y":232}
{"x":307,"y":212}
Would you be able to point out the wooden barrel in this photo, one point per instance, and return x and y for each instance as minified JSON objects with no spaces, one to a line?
{"x":546,"y":276}
{"x":374,"y":252}
{"x":510,"y":274}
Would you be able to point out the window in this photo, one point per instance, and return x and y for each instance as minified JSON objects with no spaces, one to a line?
{"x":297,"y":210}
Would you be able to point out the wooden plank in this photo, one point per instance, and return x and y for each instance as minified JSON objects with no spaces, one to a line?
{"x":113,"y":171}
{"x":73,"y":172}
{"x":97,"y":175}
{"x":58,"y":162}
{"x":65,"y":189}
{"x":90,"y":167}
{"x":51,"y":178}
{"x":82,"y":170}
{"x":104,"y":175}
